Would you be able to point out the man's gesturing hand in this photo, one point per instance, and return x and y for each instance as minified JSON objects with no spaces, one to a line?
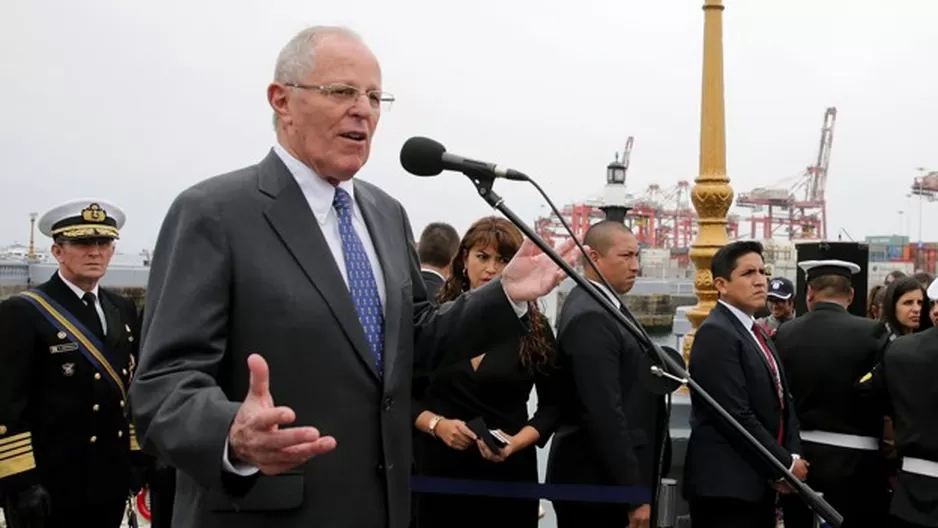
{"x":531,"y":274}
{"x":255,"y":436}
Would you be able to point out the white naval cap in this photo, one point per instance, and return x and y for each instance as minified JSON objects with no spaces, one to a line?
{"x":819,"y":268}
{"x":933,"y":290}
{"x":83,"y":218}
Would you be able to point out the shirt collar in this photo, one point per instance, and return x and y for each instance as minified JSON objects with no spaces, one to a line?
{"x":433,"y":271}
{"x":613,"y":298}
{"x":318,"y":192}
{"x":746,"y":320}
{"x":75,"y":289}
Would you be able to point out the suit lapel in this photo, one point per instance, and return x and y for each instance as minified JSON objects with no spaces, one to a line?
{"x":746,"y":336}
{"x":379,"y":225}
{"x":291,"y":218}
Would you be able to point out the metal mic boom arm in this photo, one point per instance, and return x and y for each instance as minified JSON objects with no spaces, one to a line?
{"x":672,"y":369}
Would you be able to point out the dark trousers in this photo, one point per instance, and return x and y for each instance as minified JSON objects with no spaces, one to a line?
{"x":719,"y":512}
{"x":162,"y":495}
{"x":107,"y":515}
{"x":591,"y":514}
{"x":895,"y":522}
{"x":861,"y":506}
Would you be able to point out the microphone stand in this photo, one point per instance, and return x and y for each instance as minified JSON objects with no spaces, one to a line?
{"x":670,"y":368}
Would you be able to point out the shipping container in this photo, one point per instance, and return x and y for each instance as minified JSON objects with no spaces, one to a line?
{"x":655,"y":255}
{"x":926,"y":259}
{"x":887,"y":240}
{"x":894,"y":253}
{"x":878,"y":253}
{"x":878,"y":270}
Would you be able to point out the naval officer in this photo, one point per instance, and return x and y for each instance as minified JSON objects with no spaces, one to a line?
{"x":824,"y":352}
{"x":906,"y":379}
{"x":68,"y":454}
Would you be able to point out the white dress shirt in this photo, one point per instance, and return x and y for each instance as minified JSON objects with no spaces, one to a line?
{"x":613,"y":298}
{"x":81,"y":293}
{"x":746,"y":320}
{"x":319,"y":194}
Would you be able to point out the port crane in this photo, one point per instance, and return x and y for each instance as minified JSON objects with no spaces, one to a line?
{"x":800,"y":210}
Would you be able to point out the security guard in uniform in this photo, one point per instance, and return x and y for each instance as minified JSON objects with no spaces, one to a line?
{"x":68,"y":453}
{"x":824,"y":352}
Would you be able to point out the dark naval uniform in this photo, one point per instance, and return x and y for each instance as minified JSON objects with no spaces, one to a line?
{"x":905,"y":379}
{"x":824,"y":353}
{"x":68,"y":453}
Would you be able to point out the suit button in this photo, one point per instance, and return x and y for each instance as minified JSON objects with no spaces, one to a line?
{"x":120,"y":434}
{"x":124,"y":371}
{"x":96,"y":408}
{"x":94,"y":439}
{"x":387,"y":404}
{"x":97,"y":375}
{"x":122,"y":403}
{"x":3,"y":429}
{"x":380,"y":469}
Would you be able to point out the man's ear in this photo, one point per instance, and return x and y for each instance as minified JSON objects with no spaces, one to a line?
{"x":720,"y":284}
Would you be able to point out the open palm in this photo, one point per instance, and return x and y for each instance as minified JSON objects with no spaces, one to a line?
{"x":531,"y":274}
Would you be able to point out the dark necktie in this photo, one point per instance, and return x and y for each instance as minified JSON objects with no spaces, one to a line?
{"x":92,"y":314}
{"x":361,"y":278}
{"x":776,"y":377}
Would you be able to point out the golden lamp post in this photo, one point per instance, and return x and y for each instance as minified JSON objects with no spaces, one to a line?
{"x":711,"y":194}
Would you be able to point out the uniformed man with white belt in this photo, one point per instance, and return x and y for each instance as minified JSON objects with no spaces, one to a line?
{"x":824,"y":352}
{"x":68,"y":453}
{"x":907,"y":379}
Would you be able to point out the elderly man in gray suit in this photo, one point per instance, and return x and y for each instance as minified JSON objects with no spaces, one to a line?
{"x":289,"y":283}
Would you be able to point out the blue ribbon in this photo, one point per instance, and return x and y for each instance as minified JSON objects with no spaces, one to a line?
{"x":88,"y":343}
{"x":532,"y":490}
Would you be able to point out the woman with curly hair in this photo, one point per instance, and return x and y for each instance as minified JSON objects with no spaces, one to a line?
{"x":494,"y":386}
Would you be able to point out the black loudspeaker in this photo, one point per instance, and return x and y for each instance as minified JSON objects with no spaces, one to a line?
{"x":855,"y":252}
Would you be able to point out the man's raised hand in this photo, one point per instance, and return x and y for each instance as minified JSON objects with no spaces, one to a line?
{"x":531,"y":274}
{"x":256,"y":437}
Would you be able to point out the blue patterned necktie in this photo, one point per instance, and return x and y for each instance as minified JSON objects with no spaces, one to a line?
{"x":361,"y":278}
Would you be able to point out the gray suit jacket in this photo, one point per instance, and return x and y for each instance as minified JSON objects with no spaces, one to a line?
{"x":241,"y":266}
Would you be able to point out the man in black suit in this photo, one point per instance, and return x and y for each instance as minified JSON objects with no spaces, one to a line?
{"x":436,"y":248}
{"x":725,"y":481}
{"x":824,"y":352}
{"x":615,"y":429}
{"x":68,"y":452}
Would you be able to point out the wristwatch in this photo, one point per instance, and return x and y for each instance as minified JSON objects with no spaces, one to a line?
{"x":433,"y":423}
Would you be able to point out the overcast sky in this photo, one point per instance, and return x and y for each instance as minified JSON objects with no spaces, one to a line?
{"x":135,"y":101}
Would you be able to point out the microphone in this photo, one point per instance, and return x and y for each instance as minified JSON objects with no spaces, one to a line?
{"x":422,"y":156}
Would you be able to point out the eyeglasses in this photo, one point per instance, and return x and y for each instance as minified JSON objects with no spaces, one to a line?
{"x":345,"y":93}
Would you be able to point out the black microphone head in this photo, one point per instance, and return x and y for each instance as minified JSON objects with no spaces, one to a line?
{"x":422,"y":156}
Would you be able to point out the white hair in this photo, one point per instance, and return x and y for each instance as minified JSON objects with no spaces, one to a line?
{"x":297,"y":58}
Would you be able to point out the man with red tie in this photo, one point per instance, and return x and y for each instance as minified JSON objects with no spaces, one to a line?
{"x":725,"y":481}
